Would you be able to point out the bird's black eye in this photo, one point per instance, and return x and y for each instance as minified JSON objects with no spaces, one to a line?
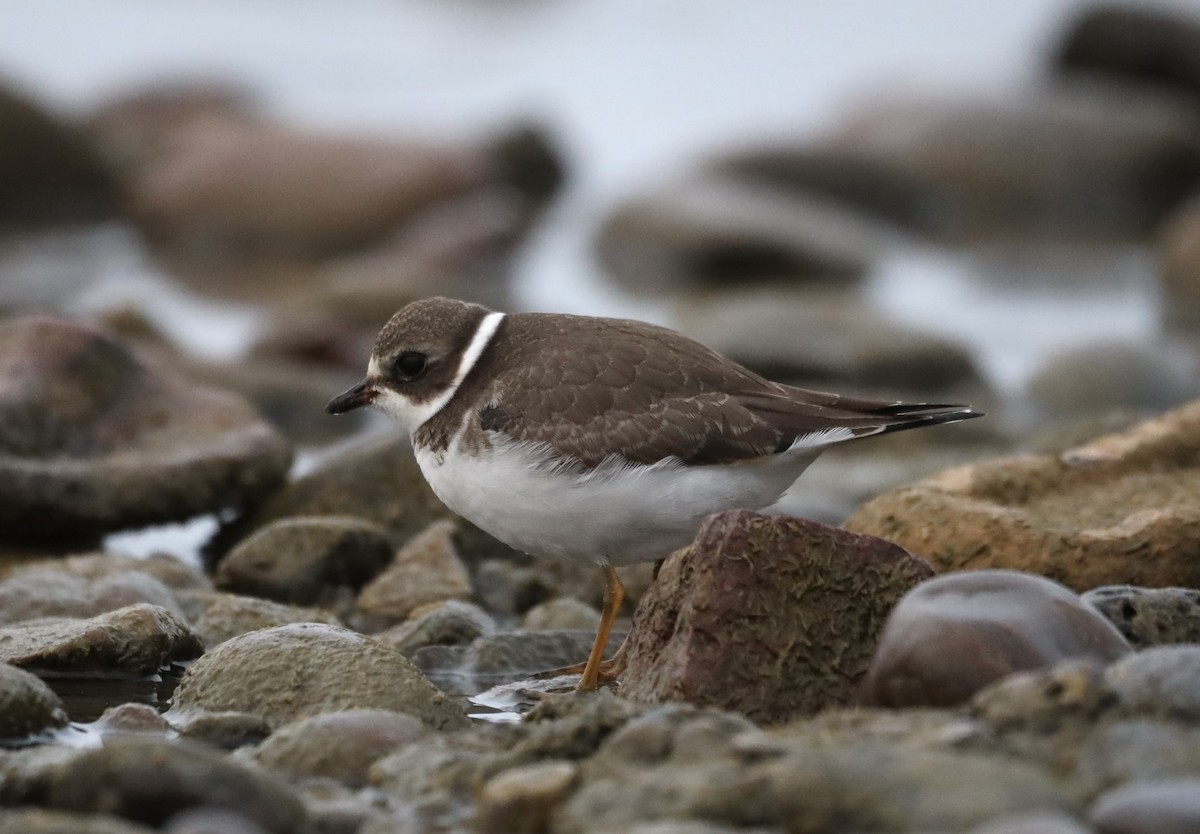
{"x":409,"y":364}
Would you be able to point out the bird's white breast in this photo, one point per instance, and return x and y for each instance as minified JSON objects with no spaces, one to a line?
{"x":619,"y":512}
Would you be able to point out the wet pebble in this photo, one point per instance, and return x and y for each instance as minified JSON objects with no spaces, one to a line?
{"x":953,"y":635}
{"x":132,"y":718}
{"x":134,"y":641}
{"x":306,"y":560}
{"x":1168,"y":807}
{"x":224,"y":730}
{"x":27,"y":706}
{"x":1149,"y":616}
{"x":449,"y":623}
{"x":771,"y":616}
{"x":338,"y":745}
{"x":295,"y":671}
{"x":1035,"y":823}
{"x":426,"y":570}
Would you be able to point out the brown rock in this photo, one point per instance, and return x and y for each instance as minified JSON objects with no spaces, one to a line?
{"x":94,"y":440}
{"x":1118,"y":510}
{"x":717,"y":231}
{"x":138,"y":640}
{"x":1157,"y":47}
{"x":449,"y":623}
{"x":48,"y":173}
{"x":424,"y":571}
{"x":954,"y":635}
{"x":1073,"y":163}
{"x":307,"y":560}
{"x":561,"y":613}
{"x":824,"y":338}
{"x":45,"y":591}
{"x":768,"y":615}
{"x":43,"y":821}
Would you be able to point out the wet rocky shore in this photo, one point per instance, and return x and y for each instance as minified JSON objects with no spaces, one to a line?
{"x":984,"y":628}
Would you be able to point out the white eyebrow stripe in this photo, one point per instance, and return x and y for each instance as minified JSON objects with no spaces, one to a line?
{"x":413,"y":416}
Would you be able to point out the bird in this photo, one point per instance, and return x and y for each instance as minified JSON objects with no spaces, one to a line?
{"x":598,"y":439}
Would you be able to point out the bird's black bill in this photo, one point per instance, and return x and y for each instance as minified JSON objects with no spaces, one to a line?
{"x":358,"y":396}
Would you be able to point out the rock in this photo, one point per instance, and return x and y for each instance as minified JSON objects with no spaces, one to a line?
{"x":27,"y":706}
{"x":823,"y":338}
{"x":524,"y":799}
{"x":138,"y":640}
{"x":207,"y":820}
{"x":1159,"y":681}
{"x":150,"y":780}
{"x":1044,"y":701}
{"x":1179,"y":269}
{"x":41,"y":821}
{"x":770,"y":616}
{"x":132,"y":718}
{"x":1118,"y":510}
{"x":716,"y":231}
{"x":449,"y":623}
{"x":224,"y":730}
{"x":1034,"y":823}
{"x":223,"y":185}
{"x":306,"y":560}
{"x":337,"y":745}
{"x":1149,"y":616}
{"x":46,"y":591}
{"x":837,"y":785}
{"x":220,"y":617}
{"x":1141,"y":750}
{"x":955,"y":634}
{"x":425,"y":571}
{"x":1169,"y":807}
{"x":561,"y":613}
{"x":296,"y":671}
{"x":373,"y":478}
{"x":1074,"y":163}
{"x":48,"y":174}
{"x":1107,"y":376}
{"x":95,"y":440}
{"x":1157,"y":47}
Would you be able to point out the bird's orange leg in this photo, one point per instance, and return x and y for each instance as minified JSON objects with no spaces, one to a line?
{"x":596,"y":668}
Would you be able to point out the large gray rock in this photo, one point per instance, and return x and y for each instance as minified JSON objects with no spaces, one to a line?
{"x":47,"y":592}
{"x":771,"y":616}
{"x":955,"y":634}
{"x":218,"y":616}
{"x":294,"y":671}
{"x":94,"y":439}
{"x":1168,"y":807}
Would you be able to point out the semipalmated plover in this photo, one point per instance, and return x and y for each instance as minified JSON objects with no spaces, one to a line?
{"x":598,"y":439}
